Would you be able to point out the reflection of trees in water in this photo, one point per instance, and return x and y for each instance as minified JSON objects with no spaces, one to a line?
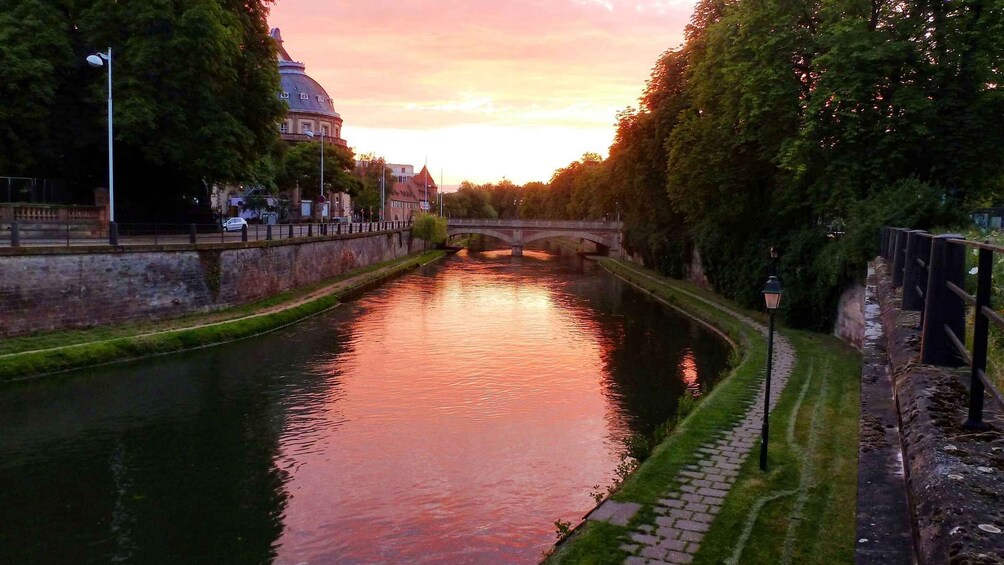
{"x":171,"y":460}
{"x":652,"y":355}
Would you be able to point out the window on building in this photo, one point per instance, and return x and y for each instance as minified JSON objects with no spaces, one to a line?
{"x":284,"y":95}
{"x":325,"y":132}
{"x":304,"y":97}
{"x":319,"y":99}
{"x":284,"y":127}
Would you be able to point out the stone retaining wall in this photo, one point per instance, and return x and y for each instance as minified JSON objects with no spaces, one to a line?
{"x":44,"y":289}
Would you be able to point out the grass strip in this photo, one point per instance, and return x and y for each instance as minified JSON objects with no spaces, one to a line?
{"x":103,"y":350}
{"x":802,"y":511}
{"x":816,"y":464}
{"x":598,"y":542}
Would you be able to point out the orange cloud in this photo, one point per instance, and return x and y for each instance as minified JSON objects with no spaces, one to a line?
{"x":487,"y":70}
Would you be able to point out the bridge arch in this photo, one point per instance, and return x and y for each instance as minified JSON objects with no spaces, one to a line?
{"x":609,"y":242}
{"x":464,"y":230}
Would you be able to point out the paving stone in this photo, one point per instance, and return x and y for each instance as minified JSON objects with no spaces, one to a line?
{"x":647,"y":528}
{"x":679,"y":557}
{"x":682,"y":514}
{"x":702,"y":517}
{"x":692,"y":474}
{"x":644,"y":539}
{"x":617,"y":513}
{"x":653,"y":552}
{"x":697,"y":507}
{"x":635,"y":561}
{"x":712,"y":492}
{"x":694,"y":537}
{"x":692,"y":497}
{"x":712,"y":501}
{"x":665,"y":521}
{"x":721,"y":486}
{"x":672,"y":545}
{"x":701,"y":483}
{"x":688,"y":489}
{"x":672,"y":502}
{"x":629,"y":547}
{"x":692,"y":526}
{"x":668,"y":534}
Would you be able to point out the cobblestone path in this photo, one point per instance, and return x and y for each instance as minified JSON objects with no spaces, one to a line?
{"x":685,"y":514}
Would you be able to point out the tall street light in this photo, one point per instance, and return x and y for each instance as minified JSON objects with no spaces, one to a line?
{"x":310,"y":134}
{"x":772,"y":297}
{"x":99,"y":59}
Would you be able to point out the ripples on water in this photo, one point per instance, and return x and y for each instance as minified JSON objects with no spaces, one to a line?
{"x":450,"y":416}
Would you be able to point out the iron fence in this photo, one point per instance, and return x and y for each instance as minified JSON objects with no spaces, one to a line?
{"x":65,"y":234}
{"x":931,"y":269}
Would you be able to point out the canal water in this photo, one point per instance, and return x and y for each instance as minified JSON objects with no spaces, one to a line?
{"x":450,"y":416}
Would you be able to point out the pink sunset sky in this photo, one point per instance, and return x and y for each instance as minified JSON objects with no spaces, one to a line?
{"x":483,"y":89}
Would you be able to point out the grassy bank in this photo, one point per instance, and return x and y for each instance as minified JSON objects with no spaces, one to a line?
{"x":60,"y":351}
{"x":795,"y":463}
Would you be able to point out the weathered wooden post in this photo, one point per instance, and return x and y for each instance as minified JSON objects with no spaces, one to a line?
{"x":113,"y":233}
{"x":290,"y":236}
{"x":268,"y":232}
{"x":191,"y":234}
{"x":899,"y":258}
{"x":244,"y":232}
{"x":981,"y":331}
{"x":944,"y":310}
{"x":15,"y":234}
{"x":913,"y":292}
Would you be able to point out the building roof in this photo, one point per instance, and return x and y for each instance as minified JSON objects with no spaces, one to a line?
{"x":300,"y":92}
{"x":414,"y":189}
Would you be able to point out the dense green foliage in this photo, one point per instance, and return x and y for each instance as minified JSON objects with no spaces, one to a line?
{"x":802,"y":126}
{"x":429,"y":227}
{"x":195,"y":88}
{"x":300,"y":165}
{"x":368,"y":170}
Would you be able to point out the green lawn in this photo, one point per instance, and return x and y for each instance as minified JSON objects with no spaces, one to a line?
{"x":803,"y":510}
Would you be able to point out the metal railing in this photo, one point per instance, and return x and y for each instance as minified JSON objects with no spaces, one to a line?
{"x":65,"y":234}
{"x":932,"y":271}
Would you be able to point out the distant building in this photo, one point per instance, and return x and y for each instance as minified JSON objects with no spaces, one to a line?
{"x":401,"y":172}
{"x":310,"y":107}
{"x":410,"y":196}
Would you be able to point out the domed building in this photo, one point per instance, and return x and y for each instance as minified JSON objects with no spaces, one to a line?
{"x":310,"y":107}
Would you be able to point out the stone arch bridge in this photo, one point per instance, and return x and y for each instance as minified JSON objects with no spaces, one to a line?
{"x":518,"y":233}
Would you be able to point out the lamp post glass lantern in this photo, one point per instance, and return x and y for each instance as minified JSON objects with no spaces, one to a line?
{"x":100,"y":59}
{"x":772,"y":299}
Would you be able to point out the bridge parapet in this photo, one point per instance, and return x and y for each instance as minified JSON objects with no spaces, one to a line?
{"x":536,"y":224}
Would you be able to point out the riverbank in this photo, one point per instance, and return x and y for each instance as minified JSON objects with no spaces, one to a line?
{"x":670,"y":510}
{"x":37,"y":355}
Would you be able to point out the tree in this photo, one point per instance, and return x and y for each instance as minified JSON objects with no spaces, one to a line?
{"x":430,"y":228}
{"x":369,"y":170}
{"x":195,"y":85}
{"x":301,"y":166}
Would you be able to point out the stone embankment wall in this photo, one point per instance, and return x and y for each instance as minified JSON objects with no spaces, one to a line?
{"x":44,"y":289}
{"x":952,"y":475}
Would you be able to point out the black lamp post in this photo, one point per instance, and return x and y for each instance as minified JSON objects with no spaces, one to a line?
{"x":772,"y":297}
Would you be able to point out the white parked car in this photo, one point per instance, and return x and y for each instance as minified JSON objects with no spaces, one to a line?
{"x":234,"y":224}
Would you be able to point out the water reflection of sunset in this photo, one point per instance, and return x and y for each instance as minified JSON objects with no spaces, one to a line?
{"x":687,"y":369}
{"x":473,"y":407}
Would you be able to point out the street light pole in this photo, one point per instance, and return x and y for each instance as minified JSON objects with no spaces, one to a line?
{"x":772,"y":297}
{"x":323,"y":199}
{"x":98,"y":60}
